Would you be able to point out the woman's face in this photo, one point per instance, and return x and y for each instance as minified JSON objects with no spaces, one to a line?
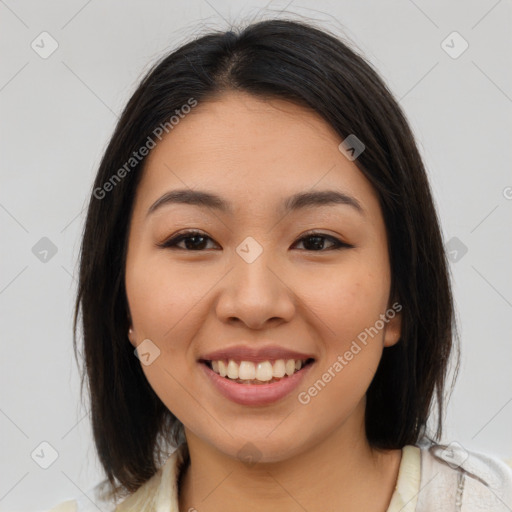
{"x":255,"y":283}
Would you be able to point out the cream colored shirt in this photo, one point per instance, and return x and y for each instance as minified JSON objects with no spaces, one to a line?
{"x":431,"y":478}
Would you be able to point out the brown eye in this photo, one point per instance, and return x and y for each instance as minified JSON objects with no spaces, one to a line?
{"x":197,"y":241}
{"x":316,"y":242}
{"x":193,"y":241}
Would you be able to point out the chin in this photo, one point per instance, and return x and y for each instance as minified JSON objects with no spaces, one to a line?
{"x":262,"y":448}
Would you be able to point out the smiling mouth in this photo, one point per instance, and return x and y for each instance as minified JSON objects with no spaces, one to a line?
{"x":262,"y":372}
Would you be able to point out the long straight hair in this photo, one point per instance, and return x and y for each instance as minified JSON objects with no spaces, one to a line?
{"x":311,"y":67}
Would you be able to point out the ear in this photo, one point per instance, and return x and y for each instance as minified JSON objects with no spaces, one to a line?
{"x":393,"y":330}
{"x":131,"y":334}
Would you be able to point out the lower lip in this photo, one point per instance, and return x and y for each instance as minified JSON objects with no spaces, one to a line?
{"x":256,"y":394}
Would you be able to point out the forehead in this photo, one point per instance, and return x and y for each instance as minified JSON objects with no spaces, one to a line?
{"x":253,"y":152}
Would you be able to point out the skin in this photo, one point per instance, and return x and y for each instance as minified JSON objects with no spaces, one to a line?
{"x":255,"y":153}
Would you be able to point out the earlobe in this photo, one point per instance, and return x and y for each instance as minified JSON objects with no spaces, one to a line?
{"x":131,"y":336}
{"x":393,"y":330}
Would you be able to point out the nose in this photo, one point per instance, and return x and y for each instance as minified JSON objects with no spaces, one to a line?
{"x":256,"y":293}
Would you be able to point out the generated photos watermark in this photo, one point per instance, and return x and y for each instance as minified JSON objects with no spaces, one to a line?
{"x":304,"y":397}
{"x":143,"y":151}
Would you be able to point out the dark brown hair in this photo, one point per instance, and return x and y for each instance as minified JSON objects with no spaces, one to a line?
{"x":298,"y":62}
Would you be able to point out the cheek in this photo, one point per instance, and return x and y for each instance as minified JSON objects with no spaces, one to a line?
{"x":161,"y":296}
{"x":166,"y":305}
{"x":349,"y":305}
{"x":347,"y":300}
{"x":161,"y":301}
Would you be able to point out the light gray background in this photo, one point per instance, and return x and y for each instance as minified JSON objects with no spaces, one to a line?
{"x":58,"y":113}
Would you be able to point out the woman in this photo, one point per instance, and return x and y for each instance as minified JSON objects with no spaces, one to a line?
{"x":262,"y":236}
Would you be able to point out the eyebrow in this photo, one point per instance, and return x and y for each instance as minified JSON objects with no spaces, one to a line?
{"x":293,"y":203}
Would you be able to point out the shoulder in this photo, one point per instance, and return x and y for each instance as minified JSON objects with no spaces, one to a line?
{"x":92,"y":500}
{"x":65,"y":506}
{"x":83,"y":505}
{"x":452,"y":476}
{"x":160,"y":492}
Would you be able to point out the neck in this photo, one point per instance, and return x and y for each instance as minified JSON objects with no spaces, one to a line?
{"x":342,"y":469}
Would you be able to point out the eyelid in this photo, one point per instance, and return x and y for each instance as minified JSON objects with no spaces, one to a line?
{"x":336,"y":239}
{"x":175,"y":239}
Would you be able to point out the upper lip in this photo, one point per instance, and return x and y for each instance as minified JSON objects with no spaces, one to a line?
{"x":245,"y":353}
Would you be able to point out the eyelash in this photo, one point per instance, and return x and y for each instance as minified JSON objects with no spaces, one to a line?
{"x":171,"y":243}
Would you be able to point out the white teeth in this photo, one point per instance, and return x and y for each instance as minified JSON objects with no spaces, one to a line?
{"x":232,"y":370}
{"x":222,"y":369}
{"x":263,"y":371}
{"x":247,"y":370}
{"x":290,"y":367}
{"x":279,"y":369}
